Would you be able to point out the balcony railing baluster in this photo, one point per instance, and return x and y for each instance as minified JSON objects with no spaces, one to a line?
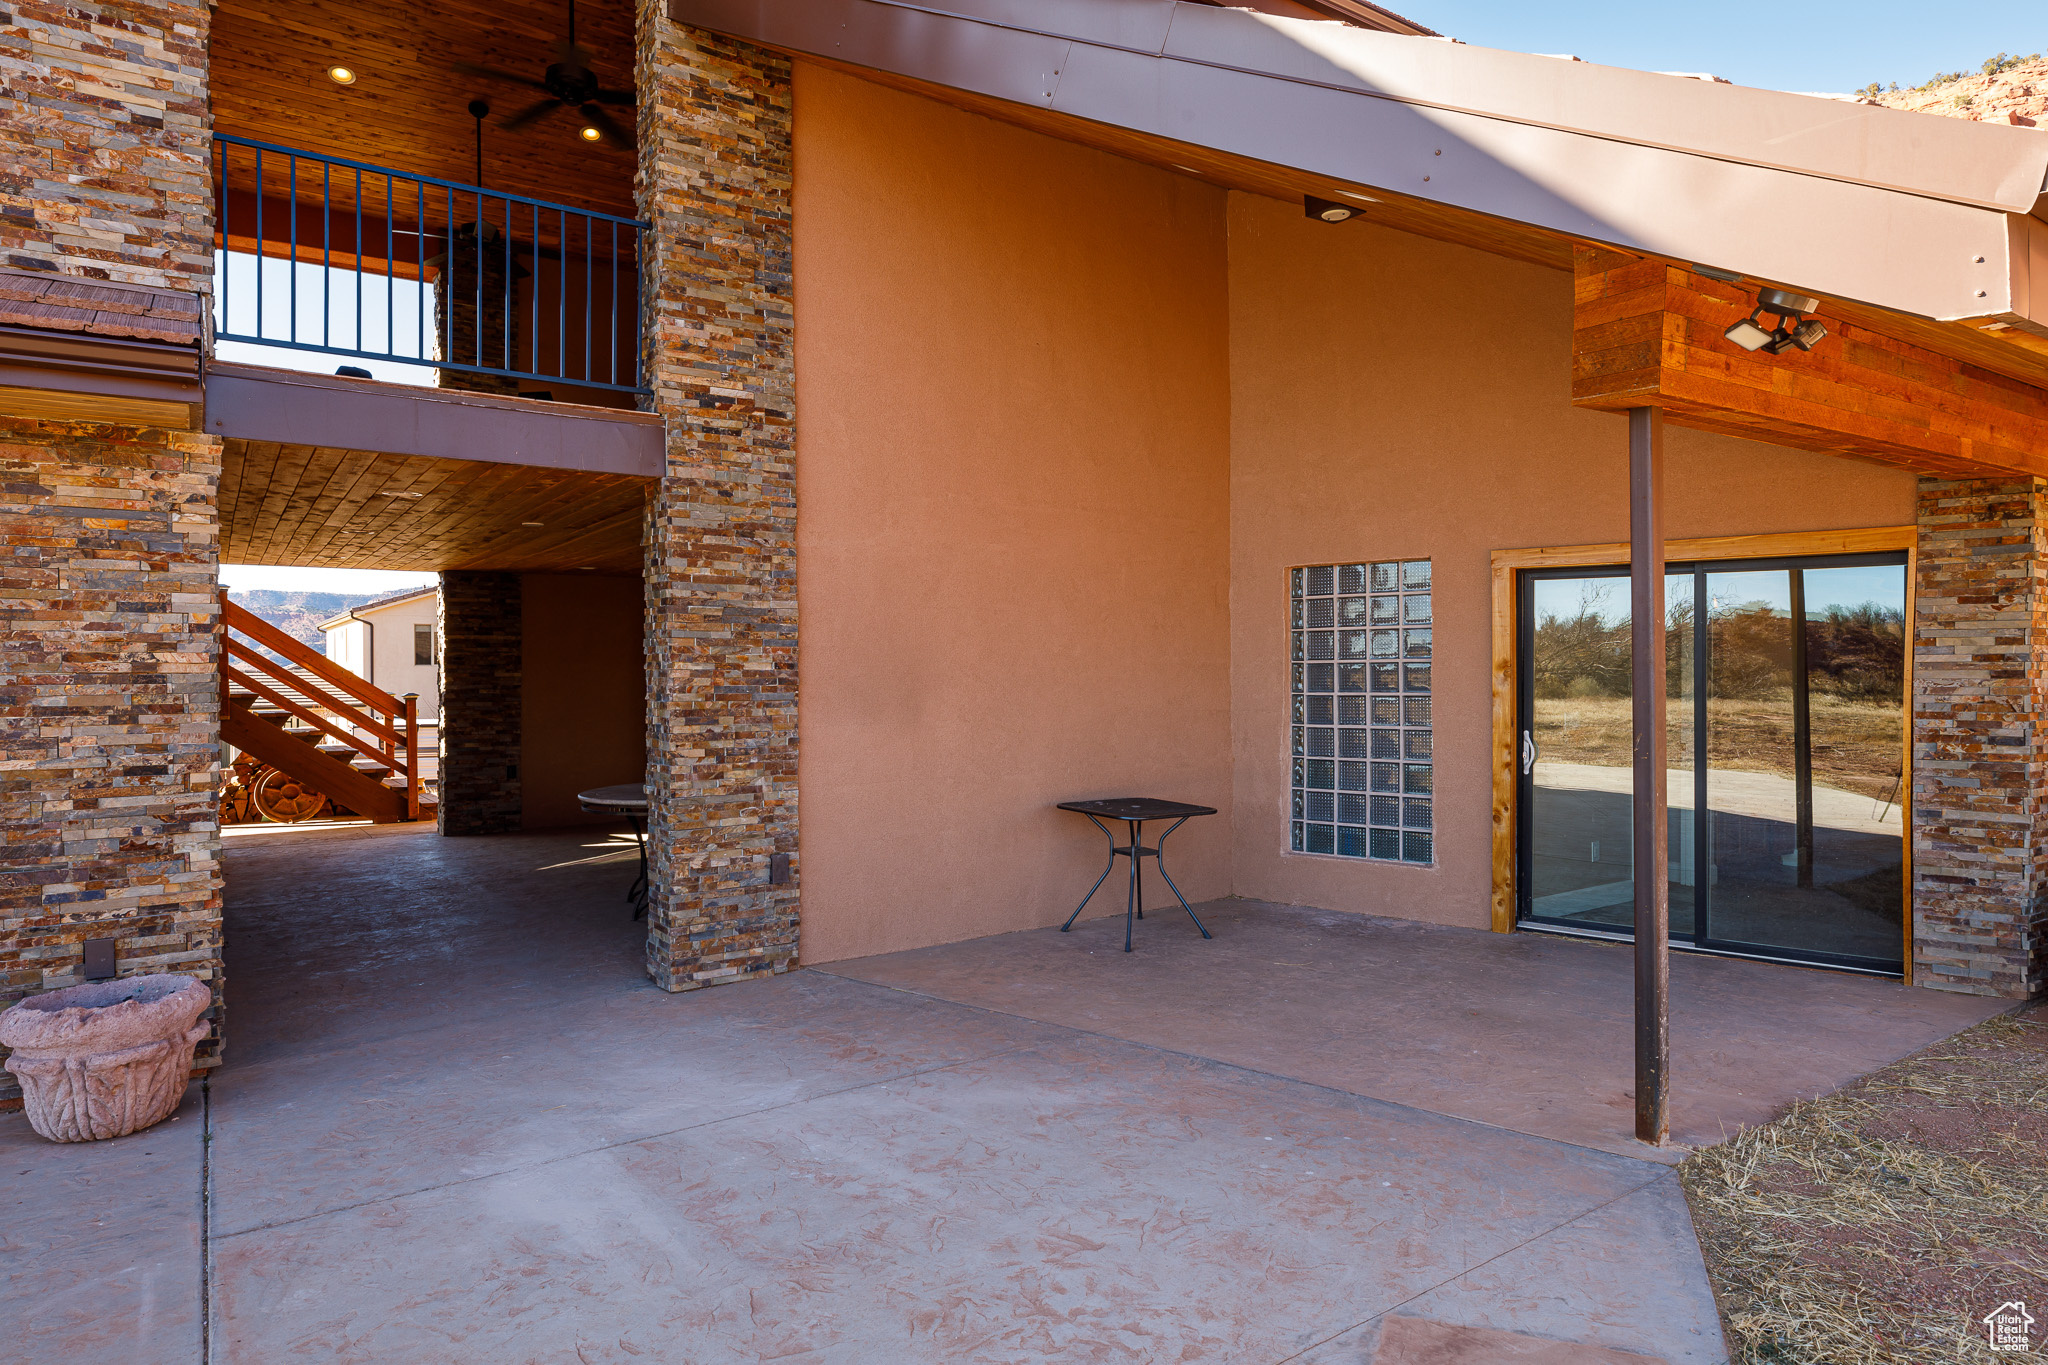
{"x":479,"y":344}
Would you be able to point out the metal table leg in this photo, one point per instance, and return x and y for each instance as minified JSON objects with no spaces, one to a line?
{"x":1109,"y":868}
{"x":1159,"y":855}
{"x":637,"y":894}
{"x":1136,"y":854}
{"x":1134,"y":892}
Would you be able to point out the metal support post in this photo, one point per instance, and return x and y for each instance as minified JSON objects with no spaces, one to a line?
{"x":1651,"y":832}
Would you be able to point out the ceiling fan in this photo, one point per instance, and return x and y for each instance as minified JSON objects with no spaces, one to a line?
{"x":570,"y":84}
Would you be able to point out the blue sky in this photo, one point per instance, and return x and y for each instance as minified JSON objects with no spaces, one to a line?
{"x":1829,"y":47}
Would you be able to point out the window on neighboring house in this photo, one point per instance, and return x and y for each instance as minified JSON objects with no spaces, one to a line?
{"x":423,"y":645}
{"x":1363,"y":771}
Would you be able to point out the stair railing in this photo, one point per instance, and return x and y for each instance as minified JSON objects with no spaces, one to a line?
{"x":375,"y":715}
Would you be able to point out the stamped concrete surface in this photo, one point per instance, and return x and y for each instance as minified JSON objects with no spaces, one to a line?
{"x":1531,"y":1032}
{"x":456,"y":1123}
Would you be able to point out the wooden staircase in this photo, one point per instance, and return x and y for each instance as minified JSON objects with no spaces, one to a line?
{"x":318,"y":722}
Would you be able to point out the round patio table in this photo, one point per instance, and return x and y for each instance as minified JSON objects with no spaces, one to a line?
{"x":630,"y":800}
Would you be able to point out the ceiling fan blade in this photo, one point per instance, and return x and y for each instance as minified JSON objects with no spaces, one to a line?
{"x":491,"y":71}
{"x":530,"y":113}
{"x":615,"y":97}
{"x":602,"y":121}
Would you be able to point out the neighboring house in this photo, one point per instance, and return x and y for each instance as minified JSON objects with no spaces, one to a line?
{"x":391,"y":643}
{"x":1125,"y":397}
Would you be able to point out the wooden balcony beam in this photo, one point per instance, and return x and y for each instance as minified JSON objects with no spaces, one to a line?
{"x":1648,"y":333}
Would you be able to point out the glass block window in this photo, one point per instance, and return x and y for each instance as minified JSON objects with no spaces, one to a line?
{"x":1363,"y":776}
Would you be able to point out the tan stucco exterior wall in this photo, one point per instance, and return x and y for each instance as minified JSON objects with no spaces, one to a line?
{"x":1393,"y":398}
{"x":582,"y":694}
{"x":1012,"y":517}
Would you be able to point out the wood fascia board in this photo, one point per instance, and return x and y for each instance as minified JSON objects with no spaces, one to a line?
{"x":1648,"y":333}
{"x":1507,"y":563}
{"x":72,"y":376}
{"x":254,"y":403}
{"x":59,"y":405}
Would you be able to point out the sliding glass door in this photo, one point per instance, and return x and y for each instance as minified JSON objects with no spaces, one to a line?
{"x":1785,"y":704}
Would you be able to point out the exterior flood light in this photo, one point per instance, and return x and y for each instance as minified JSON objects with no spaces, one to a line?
{"x":1790,"y":332}
{"x":341,"y":75}
{"x":1328,"y":210}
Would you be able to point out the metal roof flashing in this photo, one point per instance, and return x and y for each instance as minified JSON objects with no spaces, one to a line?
{"x":1896,"y":209}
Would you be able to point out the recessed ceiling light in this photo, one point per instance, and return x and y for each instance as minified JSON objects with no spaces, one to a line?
{"x":1326,"y":210}
{"x":342,"y":75}
{"x":591,"y":134}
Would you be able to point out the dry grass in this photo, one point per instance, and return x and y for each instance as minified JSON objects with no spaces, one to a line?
{"x":1878,"y":1225}
{"x":1857,"y":746}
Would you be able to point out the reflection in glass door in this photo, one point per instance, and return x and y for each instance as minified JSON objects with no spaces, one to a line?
{"x":1785,"y":703}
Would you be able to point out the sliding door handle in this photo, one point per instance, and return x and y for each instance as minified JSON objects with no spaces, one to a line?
{"x":1528,"y":753}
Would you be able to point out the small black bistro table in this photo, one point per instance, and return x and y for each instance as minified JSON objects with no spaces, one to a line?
{"x":1134,"y":811}
{"x":630,"y":800}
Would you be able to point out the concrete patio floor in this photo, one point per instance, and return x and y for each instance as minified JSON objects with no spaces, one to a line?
{"x":456,"y":1123}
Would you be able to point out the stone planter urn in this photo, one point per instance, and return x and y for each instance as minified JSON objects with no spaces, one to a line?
{"x":107,"y":1059}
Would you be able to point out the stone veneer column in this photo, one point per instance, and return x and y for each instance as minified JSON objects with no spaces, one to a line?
{"x":1980,"y":753}
{"x":109,"y":620}
{"x":721,"y":544}
{"x":470,"y":310}
{"x":479,"y":628}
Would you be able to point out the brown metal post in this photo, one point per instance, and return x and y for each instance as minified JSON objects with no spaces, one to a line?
{"x":412,"y":755}
{"x":1651,"y":832}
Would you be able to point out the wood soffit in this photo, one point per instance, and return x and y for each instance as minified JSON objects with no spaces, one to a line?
{"x":329,"y":507}
{"x":408,"y":108}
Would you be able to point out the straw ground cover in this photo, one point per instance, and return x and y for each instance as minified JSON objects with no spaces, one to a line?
{"x":1880,"y":1224}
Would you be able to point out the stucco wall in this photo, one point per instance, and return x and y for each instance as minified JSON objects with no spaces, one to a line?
{"x":1012,"y":467}
{"x":1394,"y":397}
{"x":583,"y":693}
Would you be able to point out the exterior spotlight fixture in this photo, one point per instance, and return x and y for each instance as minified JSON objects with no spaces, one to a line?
{"x":1328,"y":210}
{"x":590,"y":135}
{"x":1790,"y":333}
{"x":342,"y":75}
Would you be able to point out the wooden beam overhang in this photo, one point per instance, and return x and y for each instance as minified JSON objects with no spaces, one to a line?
{"x":1647,"y":333}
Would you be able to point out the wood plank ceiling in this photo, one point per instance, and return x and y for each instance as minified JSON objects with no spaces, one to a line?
{"x":408,"y":108}
{"x":335,"y":508}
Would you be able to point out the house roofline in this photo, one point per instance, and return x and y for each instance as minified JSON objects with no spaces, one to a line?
{"x":1907,"y":212}
{"x":352,"y":613}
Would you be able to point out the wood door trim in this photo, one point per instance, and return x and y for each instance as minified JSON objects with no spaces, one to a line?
{"x":1507,"y":563}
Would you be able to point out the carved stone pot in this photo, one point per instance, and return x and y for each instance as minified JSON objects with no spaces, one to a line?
{"x":108,"y":1059}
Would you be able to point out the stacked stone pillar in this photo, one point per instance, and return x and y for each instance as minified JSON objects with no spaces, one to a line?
{"x":109,"y":620}
{"x":1980,"y":751}
{"x":721,"y":533}
{"x":479,"y":625}
{"x":472,"y":309}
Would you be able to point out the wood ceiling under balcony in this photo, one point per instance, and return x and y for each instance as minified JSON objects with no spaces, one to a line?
{"x":408,"y":108}
{"x":336,"y":508}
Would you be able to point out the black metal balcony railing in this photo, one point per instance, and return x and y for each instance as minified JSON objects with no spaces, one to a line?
{"x":488,"y":288}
